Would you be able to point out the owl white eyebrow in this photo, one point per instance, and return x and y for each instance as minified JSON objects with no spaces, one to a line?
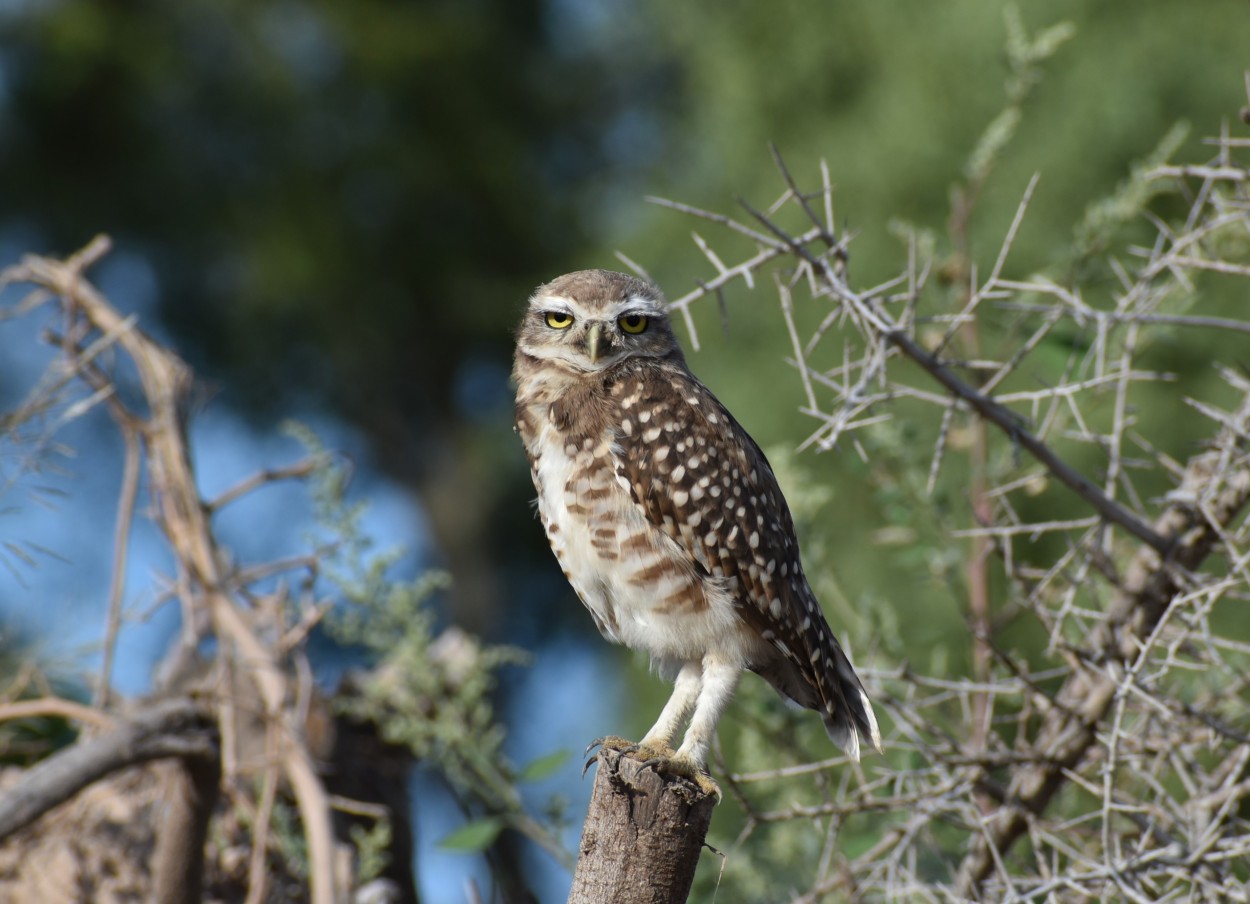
{"x":555,"y":303}
{"x":641,"y":304}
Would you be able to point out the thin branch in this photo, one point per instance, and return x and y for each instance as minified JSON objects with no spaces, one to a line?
{"x":1151,"y":583}
{"x":1006,"y":420}
{"x":121,"y":556}
{"x":56,"y":707}
{"x":264,"y":477}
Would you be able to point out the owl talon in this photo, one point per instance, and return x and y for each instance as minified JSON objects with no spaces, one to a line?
{"x":671,"y":764}
{"x":611,"y":742}
{"x":709,"y":786}
{"x":654,"y":753}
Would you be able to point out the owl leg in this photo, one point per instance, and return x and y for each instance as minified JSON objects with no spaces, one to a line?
{"x":659,"y":740}
{"x":704,"y":687}
{"x":720,"y":679}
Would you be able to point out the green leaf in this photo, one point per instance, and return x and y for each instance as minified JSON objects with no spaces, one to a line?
{"x":473,"y":837}
{"x":539,"y":769}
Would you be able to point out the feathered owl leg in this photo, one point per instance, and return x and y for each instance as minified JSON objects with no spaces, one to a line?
{"x":720,"y":679}
{"x":704,"y":688}
{"x":658,"y":741}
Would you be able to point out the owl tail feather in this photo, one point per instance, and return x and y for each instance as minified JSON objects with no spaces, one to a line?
{"x":850,"y":718}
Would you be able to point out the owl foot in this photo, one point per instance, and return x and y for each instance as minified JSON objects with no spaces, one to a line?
{"x":661,"y":758}
{"x":670,"y":762}
{"x":609,"y":742}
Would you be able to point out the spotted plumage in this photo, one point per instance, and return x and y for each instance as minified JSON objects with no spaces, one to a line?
{"x":666,"y":517}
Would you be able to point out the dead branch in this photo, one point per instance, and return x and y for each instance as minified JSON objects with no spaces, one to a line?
{"x":171,"y":728}
{"x":56,"y":706}
{"x":183,"y":517}
{"x":984,"y":405}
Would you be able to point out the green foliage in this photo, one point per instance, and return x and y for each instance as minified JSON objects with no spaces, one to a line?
{"x":290,"y":843}
{"x":427,"y":691}
{"x":473,"y":837}
{"x":543,"y":767}
{"x":372,"y":847}
{"x":1024,"y":56}
{"x":1107,"y":216}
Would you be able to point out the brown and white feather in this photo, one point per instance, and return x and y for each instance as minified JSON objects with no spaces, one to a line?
{"x":663,"y":512}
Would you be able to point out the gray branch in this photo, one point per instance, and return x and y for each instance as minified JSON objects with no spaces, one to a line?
{"x":997,"y":414}
{"x":171,"y":728}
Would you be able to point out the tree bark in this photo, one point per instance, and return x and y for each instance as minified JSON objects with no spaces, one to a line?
{"x":642,"y":836}
{"x":191,"y":794}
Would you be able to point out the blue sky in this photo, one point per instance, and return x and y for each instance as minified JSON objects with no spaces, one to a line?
{"x":58,"y":508}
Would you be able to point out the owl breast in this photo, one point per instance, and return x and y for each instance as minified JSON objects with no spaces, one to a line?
{"x":641,"y":588}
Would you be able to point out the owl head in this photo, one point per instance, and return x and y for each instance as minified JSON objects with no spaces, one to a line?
{"x":591,"y":320}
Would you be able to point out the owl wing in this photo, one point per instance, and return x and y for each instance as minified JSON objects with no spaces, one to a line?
{"x":700,"y":478}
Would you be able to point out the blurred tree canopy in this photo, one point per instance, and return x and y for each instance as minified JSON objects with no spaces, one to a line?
{"x":345,"y":203}
{"x":342,"y":202}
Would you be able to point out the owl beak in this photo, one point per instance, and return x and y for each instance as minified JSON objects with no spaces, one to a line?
{"x":592,"y":341}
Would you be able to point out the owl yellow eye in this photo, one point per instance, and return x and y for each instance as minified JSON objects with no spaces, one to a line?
{"x":633,"y":323}
{"x":559,"y":320}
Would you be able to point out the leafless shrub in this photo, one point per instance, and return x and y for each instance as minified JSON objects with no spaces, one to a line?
{"x":304,"y":795}
{"x":260,"y":643}
{"x":1112,"y":761}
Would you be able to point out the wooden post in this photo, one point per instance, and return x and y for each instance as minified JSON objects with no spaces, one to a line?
{"x":642,"y":836}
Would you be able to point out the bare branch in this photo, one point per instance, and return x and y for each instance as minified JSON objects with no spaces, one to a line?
{"x":184,"y":519}
{"x":1150,"y":586}
{"x":58,"y":707}
{"x":121,"y":554}
{"x":173,"y":728}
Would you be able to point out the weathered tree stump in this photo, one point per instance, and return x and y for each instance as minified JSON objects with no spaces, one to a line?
{"x":642,"y":836}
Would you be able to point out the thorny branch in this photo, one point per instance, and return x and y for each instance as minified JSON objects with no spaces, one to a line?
{"x":1117,"y":751}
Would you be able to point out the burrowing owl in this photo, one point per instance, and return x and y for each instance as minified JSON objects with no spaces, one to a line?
{"x":666,"y":517}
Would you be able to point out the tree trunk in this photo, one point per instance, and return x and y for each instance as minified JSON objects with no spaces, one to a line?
{"x":178,"y":862}
{"x":642,"y":835}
